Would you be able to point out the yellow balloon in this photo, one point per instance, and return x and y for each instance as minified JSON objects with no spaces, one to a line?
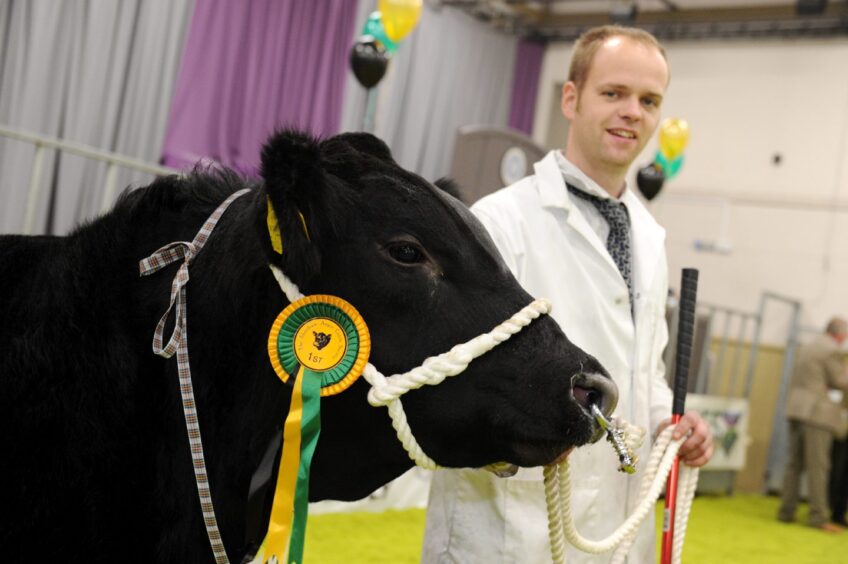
{"x":674,"y":135}
{"x":399,"y":16}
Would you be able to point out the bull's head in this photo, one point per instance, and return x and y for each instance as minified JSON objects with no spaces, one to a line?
{"x":425,"y":276}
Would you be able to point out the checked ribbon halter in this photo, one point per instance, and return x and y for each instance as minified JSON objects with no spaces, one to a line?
{"x":385,"y":391}
{"x":178,"y":343}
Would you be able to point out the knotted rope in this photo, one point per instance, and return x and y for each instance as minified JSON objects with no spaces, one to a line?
{"x":178,"y":343}
{"x":561,"y":522}
{"x":386,"y":391}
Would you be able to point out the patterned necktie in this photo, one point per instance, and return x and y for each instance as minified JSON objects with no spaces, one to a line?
{"x":618,"y":240}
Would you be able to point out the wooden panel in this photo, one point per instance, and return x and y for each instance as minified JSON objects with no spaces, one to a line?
{"x":765,"y":389}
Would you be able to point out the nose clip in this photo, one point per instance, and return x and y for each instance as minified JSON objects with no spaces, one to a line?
{"x":615,"y":435}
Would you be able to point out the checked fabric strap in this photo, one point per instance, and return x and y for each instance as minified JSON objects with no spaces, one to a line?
{"x":178,"y":343}
{"x":618,"y":240}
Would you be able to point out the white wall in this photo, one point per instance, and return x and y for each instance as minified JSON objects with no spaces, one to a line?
{"x":746,"y":101}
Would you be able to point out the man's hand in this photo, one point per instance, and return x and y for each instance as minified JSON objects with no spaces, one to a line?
{"x":698,"y":448}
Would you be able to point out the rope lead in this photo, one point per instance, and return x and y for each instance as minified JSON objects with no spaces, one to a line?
{"x":561,"y":522}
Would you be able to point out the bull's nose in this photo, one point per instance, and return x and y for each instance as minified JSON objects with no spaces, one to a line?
{"x":594,"y":389}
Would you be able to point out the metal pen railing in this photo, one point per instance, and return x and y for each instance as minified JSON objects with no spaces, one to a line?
{"x":721,"y":368}
{"x":113,"y":161}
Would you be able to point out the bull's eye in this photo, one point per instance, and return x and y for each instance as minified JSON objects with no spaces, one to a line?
{"x":406,"y":253}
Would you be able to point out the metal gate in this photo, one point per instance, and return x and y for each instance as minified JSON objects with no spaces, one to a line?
{"x":722,"y":375}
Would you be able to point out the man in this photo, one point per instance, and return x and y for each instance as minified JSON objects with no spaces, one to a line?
{"x":813,"y":420}
{"x":838,"y":488}
{"x":607,"y":278}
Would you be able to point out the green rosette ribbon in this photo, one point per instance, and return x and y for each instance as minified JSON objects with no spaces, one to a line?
{"x":323,"y":344}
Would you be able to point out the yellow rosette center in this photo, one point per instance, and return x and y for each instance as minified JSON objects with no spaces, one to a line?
{"x":320,"y":344}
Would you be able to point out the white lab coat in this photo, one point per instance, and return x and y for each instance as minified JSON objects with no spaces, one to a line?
{"x":475,"y":517}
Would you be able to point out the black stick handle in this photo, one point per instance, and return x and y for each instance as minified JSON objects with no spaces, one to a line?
{"x":685,"y":332}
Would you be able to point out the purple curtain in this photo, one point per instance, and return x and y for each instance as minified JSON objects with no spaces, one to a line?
{"x":525,"y":85}
{"x":251,"y":66}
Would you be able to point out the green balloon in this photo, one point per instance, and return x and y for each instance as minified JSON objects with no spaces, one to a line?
{"x":374,"y":27}
{"x":669,"y":167}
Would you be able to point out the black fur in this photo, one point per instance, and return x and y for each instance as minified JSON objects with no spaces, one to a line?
{"x":95,"y":460}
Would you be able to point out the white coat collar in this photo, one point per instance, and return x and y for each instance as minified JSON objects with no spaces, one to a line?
{"x":554,"y":194}
{"x":648,"y":237}
{"x":579,"y":179}
{"x":552,"y":191}
{"x":553,"y":170}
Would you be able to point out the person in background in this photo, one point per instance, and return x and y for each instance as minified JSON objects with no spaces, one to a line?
{"x":574,"y":232}
{"x":813,"y":420}
{"x":838,"y":490}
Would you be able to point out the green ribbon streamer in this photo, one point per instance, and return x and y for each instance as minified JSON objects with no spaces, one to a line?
{"x":310,"y":429}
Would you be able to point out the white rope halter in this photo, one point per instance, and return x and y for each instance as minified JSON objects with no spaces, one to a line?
{"x":386,"y":391}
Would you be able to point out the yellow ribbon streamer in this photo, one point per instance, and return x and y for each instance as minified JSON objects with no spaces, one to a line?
{"x":282,"y":512}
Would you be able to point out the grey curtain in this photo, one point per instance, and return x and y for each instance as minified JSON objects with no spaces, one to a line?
{"x":98,"y":72}
{"x":450,"y":71}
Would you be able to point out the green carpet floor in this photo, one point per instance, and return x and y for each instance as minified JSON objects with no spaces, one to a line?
{"x":722,"y":530}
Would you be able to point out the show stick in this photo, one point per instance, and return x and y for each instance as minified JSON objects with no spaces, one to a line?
{"x":685,"y":331}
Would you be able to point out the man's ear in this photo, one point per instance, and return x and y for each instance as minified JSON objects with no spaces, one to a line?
{"x":568,"y":104}
{"x":295,"y":189}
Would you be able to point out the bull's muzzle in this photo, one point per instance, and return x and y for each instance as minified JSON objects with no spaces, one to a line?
{"x":590,"y":389}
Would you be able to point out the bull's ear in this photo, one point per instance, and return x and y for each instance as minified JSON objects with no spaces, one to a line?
{"x":449,"y":186}
{"x":295,"y":186}
{"x":360,"y":143}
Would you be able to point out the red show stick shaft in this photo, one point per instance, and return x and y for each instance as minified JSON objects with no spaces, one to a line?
{"x":685,"y":332}
{"x":670,"y":506}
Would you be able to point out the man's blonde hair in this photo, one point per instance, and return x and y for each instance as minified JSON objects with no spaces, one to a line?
{"x":591,"y":40}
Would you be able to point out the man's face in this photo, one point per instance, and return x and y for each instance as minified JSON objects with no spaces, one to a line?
{"x":615,"y":113}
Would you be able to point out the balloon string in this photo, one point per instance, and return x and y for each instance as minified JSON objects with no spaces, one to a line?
{"x":370,"y":110}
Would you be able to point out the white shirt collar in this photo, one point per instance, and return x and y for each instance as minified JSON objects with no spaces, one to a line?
{"x":581,"y":180}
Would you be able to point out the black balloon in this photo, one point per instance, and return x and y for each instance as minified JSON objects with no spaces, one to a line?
{"x":650,"y":180}
{"x":368,"y":61}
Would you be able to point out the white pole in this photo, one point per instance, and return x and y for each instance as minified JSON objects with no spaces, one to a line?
{"x":109,"y":190}
{"x":34,"y":188}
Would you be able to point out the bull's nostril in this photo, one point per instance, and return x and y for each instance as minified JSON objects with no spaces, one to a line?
{"x":594,"y":389}
{"x":587,"y":396}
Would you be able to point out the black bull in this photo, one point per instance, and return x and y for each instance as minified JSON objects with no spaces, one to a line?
{"x":95,"y":458}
